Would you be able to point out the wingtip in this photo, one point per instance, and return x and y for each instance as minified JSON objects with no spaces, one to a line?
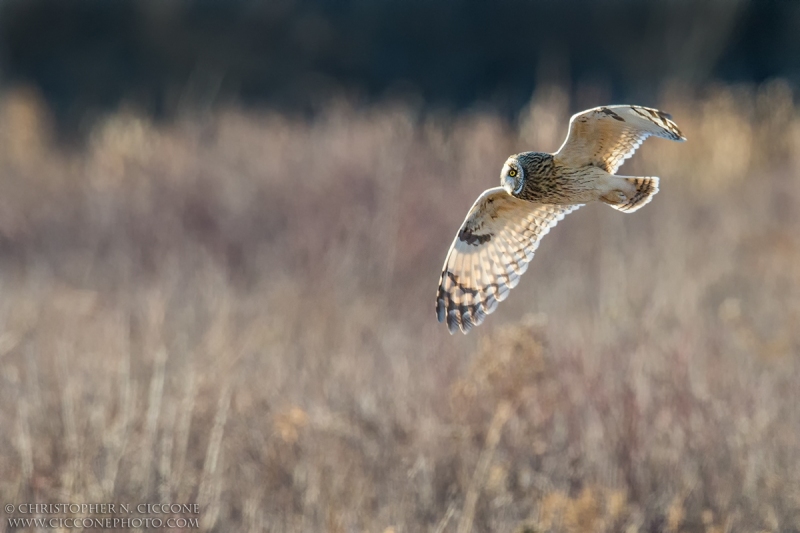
{"x":452,"y":321}
{"x":677,"y":135}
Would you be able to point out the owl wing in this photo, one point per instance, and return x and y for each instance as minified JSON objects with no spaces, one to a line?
{"x":607,"y":136}
{"x":489,"y":254}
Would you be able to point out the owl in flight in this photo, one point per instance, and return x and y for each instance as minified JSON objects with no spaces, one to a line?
{"x":505,"y":224}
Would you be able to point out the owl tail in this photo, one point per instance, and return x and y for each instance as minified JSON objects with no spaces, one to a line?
{"x":646,"y":188}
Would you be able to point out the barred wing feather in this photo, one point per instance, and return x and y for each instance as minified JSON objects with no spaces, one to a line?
{"x":606,"y":136}
{"x":491,"y":251}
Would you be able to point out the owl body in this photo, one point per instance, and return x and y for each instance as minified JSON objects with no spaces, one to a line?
{"x":497,"y":240}
{"x":545,"y":180}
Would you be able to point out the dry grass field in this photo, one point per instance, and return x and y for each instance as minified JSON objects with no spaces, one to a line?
{"x":236,"y":309}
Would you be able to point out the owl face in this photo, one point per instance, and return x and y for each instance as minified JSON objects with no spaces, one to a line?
{"x":513,"y":176}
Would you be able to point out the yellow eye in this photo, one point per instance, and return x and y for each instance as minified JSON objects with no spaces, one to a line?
{"x":512,"y":173}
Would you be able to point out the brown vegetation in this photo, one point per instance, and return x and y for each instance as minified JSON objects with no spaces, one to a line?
{"x":237,"y":310}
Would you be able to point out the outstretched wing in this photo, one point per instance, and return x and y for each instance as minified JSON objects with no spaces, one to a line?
{"x":607,"y":136}
{"x":491,"y":251}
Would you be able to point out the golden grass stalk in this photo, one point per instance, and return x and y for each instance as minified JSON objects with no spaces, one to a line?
{"x":501,"y":415}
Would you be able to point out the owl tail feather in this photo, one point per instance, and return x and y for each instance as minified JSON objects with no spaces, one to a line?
{"x":646,"y":188}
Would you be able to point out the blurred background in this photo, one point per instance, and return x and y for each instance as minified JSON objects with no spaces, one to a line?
{"x":222,"y":224}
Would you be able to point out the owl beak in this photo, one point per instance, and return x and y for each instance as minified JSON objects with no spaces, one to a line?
{"x":508,"y":185}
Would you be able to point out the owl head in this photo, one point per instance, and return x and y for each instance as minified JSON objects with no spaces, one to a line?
{"x":513,"y":176}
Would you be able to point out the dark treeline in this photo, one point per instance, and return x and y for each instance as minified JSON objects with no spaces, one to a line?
{"x":89,"y":56}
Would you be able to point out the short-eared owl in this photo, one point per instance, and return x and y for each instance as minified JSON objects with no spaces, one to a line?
{"x":504,"y":226}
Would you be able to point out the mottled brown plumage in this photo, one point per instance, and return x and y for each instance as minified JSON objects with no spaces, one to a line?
{"x":503,"y":228}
